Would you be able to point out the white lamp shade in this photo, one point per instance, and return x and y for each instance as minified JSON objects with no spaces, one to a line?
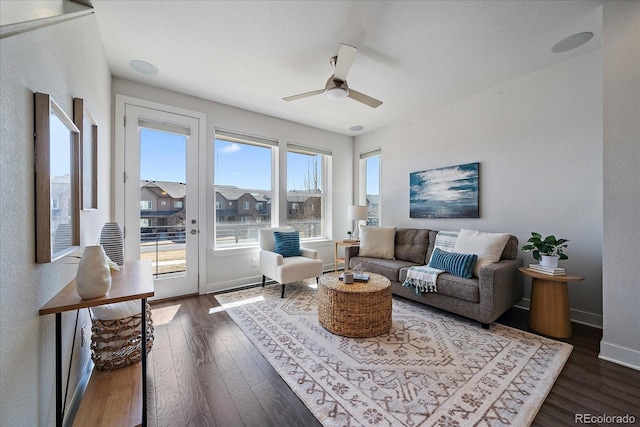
{"x":357,"y":213}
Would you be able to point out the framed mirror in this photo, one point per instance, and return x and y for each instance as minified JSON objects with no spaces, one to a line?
{"x":88,"y":127}
{"x":57,"y":141}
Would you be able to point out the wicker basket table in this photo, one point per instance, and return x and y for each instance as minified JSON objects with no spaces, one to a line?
{"x":354,"y":310}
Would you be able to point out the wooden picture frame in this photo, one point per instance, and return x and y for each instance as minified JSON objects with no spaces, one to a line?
{"x":88,"y":127}
{"x":57,"y":201}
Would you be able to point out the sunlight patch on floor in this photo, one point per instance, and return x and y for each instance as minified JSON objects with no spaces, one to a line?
{"x":163,"y":315}
{"x":236,"y":304}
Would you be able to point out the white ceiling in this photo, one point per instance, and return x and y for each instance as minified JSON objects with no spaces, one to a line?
{"x":413,"y":55}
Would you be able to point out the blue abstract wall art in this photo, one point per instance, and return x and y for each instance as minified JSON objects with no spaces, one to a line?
{"x":449,"y":192}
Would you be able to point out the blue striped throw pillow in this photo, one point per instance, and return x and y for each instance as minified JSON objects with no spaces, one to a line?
{"x":454,"y":263}
{"x":287,"y":243}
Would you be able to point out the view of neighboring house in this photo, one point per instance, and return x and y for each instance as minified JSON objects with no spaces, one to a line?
{"x":162,"y":209}
{"x":240,"y":205}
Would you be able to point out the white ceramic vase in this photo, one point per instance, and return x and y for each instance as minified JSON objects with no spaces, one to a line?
{"x":549,"y":261}
{"x":93,"y":279}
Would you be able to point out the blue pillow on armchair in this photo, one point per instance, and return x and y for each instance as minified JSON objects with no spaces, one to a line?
{"x":287,"y":243}
{"x":458,"y":264}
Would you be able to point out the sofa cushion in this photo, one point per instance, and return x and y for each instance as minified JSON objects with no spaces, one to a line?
{"x":488,"y":246}
{"x":377,"y":242}
{"x":453,"y":286}
{"x":443,"y":240}
{"x":511,"y":249}
{"x":411,"y":244}
{"x":389,"y":268}
{"x":454,"y":263}
{"x":287,"y":243}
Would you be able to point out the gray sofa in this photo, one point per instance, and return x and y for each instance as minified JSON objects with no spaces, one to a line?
{"x":482,"y":299}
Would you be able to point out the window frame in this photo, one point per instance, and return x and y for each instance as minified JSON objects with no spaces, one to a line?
{"x":362,"y":193}
{"x":252,"y":140}
{"x":325,"y":188}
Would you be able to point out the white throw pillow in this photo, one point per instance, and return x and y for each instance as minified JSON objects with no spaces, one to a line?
{"x":488,"y":246}
{"x":377,"y":242}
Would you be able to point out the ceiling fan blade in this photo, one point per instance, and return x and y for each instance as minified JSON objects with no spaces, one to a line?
{"x":344,"y":61}
{"x":303,"y":95}
{"x":365,"y":99}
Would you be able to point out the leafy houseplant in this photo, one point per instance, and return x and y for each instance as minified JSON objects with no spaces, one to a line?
{"x":549,"y":246}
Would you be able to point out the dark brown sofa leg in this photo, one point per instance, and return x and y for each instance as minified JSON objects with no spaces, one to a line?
{"x":263,"y":279}
{"x":282,"y":296}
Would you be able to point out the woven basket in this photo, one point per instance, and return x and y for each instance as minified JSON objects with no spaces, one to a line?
{"x":355,"y":310}
{"x":116,"y":343}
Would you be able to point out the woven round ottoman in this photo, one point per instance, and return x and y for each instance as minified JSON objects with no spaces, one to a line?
{"x":355,"y":310}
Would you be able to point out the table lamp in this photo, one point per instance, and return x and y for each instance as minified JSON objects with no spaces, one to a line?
{"x":357,"y":213}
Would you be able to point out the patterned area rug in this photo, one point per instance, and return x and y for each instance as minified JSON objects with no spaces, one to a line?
{"x":431,"y":369}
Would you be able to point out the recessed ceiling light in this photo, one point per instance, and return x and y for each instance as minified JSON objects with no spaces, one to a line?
{"x":144,"y":67}
{"x":571,"y":42}
{"x":357,"y":128}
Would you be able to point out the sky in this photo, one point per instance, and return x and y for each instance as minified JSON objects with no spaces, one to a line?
{"x":163,"y":158}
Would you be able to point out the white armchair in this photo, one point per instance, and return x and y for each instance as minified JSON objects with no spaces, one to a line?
{"x":286,"y":269}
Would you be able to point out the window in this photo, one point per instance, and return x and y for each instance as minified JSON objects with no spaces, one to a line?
{"x":55,"y":203}
{"x":259,"y":207}
{"x":243,"y":165}
{"x":307,"y":169}
{"x":146,"y":205}
{"x":370,"y":184}
{"x":177,"y":204}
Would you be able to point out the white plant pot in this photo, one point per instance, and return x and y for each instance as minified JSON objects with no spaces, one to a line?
{"x":93,"y":279}
{"x":549,"y":261}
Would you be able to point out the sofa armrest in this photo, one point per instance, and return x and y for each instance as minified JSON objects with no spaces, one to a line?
{"x":500,"y":286}
{"x":309,"y":253}
{"x":351,"y":251}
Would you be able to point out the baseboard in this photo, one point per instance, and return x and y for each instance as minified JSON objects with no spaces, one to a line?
{"x":74,"y":403}
{"x":620,"y":355}
{"x":578,"y":316}
{"x":246,"y":282}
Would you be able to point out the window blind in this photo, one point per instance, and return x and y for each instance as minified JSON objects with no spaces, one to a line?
{"x":232,"y":136}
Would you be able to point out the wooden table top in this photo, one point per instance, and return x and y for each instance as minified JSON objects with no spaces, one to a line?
{"x":569,"y":277}
{"x":133,"y":281}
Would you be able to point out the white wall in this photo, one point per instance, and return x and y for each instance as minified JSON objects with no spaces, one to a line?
{"x":65,"y":60}
{"x":538,"y":139}
{"x":621,"y":282}
{"x":232,"y":267}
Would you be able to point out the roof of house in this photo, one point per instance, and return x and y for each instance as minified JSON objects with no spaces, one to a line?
{"x":175,"y":190}
{"x":231,"y":192}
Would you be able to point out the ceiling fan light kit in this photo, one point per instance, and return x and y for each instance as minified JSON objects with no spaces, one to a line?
{"x":336,"y":93}
{"x":336,"y":86}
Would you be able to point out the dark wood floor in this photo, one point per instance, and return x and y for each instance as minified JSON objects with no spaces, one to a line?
{"x":203,"y":371}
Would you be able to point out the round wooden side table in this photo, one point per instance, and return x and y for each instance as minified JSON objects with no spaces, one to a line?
{"x":355,"y":310}
{"x":549,"y":311}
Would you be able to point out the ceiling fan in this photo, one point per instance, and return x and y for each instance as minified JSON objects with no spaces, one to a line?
{"x":336,"y":87}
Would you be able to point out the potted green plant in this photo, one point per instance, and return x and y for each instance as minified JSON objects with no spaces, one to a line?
{"x":548,"y":250}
